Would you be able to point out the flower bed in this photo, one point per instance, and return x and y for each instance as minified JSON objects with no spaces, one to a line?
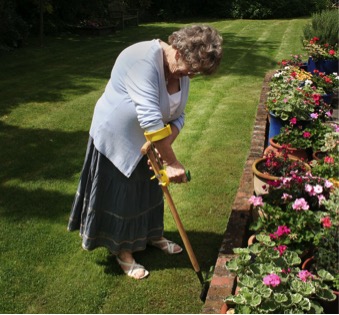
{"x":298,"y":215}
{"x":223,"y":281}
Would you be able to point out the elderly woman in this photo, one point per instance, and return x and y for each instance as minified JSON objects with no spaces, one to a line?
{"x":117,"y":206}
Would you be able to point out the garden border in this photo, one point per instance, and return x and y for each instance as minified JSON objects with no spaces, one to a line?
{"x":236,"y":233}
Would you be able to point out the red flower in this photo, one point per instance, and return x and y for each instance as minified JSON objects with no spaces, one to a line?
{"x":332,"y":52}
{"x":316,"y":98}
{"x":326,"y":222}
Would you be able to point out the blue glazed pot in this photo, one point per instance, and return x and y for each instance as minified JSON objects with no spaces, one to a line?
{"x":327,"y":66}
{"x":327,"y":98}
{"x":275,"y":125}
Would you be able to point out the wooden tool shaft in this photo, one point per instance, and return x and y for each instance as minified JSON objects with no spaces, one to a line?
{"x":146,"y":149}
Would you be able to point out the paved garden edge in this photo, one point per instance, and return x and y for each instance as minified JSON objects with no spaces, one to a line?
{"x":236,"y":233}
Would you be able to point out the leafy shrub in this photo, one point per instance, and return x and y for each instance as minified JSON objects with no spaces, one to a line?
{"x":13,"y":30}
{"x":323,"y":25}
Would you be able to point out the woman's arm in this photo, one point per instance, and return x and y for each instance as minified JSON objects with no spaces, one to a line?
{"x":174,"y":169}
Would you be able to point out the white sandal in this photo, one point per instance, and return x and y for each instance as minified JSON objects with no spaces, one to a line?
{"x":166,"y":246}
{"x":133,"y":267}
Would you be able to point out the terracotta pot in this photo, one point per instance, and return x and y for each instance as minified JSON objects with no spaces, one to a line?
{"x":226,"y":309}
{"x":251,"y":240}
{"x":318,"y":155}
{"x":261,"y":180}
{"x":300,"y":154}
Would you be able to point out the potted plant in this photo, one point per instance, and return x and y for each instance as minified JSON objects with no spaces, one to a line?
{"x":302,"y":137}
{"x":326,"y":164}
{"x":295,"y":60}
{"x":273,"y":166}
{"x":322,"y":57}
{"x":325,"y":254}
{"x":270,"y":281}
{"x":295,"y":204}
{"x":328,"y":82}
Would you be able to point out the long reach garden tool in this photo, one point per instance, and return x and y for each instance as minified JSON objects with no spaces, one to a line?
{"x":160,"y":174}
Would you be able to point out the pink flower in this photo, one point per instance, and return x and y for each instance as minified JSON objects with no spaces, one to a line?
{"x":300,"y":204}
{"x":314,"y":115}
{"x":321,"y":198}
{"x":285,"y":100}
{"x":286,"y":271}
{"x":310,"y":189}
{"x":256,"y":201}
{"x":304,"y":275}
{"x":328,"y":184}
{"x":307,"y":134}
{"x":272,"y":280}
{"x":293,"y":121}
{"x":286,"y":196}
{"x":281,"y":249}
{"x":282,"y":229}
{"x":329,"y":114}
{"x":318,"y":189}
{"x":326,"y":222}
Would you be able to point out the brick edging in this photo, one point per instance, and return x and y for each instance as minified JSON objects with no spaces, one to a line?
{"x":222,"y":282}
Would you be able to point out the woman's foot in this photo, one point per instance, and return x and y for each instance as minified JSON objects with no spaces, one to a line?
{"x":166,"y":246}
{"x":130,"y":267}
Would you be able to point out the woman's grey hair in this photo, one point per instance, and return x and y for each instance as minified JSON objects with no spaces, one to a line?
{"x":200,"y":46}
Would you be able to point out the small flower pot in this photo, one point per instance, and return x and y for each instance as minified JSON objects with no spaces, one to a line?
{"x":327,"y":66}
{"x":300,"y":154}
{"x":318,"y":155}
{"x":261,"y":180}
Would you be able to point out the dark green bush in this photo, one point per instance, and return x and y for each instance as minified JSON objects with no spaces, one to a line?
{"x":263,"y":9}
{"x":13,"y":29}
{"x":323,"y":25}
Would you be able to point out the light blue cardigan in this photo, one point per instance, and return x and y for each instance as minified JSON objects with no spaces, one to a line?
{"x":135,"y":100}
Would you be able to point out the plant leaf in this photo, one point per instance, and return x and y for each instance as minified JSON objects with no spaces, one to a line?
{"x":325,"y":294}
{"x":280,"y":298}
{"x":304,"y":288}
{"x":296,"y":298}
{"x":304,"y":304}
{"x":325,"y":275}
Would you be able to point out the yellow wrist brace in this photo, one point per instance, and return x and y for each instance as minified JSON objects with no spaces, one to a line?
{"x":158,"y":134}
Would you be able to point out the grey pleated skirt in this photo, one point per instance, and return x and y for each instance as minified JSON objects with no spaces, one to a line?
{"x":114,"y":211}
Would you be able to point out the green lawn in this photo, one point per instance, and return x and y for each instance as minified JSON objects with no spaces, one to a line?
{"x":47,"y":96}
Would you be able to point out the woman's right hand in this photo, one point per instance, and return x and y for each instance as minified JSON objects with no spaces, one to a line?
{"x":176,"y":172}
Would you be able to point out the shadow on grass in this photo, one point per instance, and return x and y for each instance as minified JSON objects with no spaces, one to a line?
{"x":205,"y":247}
{"x":36,"y":165}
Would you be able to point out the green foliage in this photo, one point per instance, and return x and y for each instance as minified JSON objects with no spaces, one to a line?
{"x":310,"y":135}
{"x":271,"y":282}
{"x":293,"y":94}
{"x":13,"y":29}
{"x":263,"y":9}
{"x":293,"y":204}
{"x":323,"y":25}
{"x":326,"y":255}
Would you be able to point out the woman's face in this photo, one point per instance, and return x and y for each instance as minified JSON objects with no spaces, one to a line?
{"x":181,"y":68}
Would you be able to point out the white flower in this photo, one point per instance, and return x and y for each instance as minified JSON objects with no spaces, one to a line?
{"x":308,"y":82}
